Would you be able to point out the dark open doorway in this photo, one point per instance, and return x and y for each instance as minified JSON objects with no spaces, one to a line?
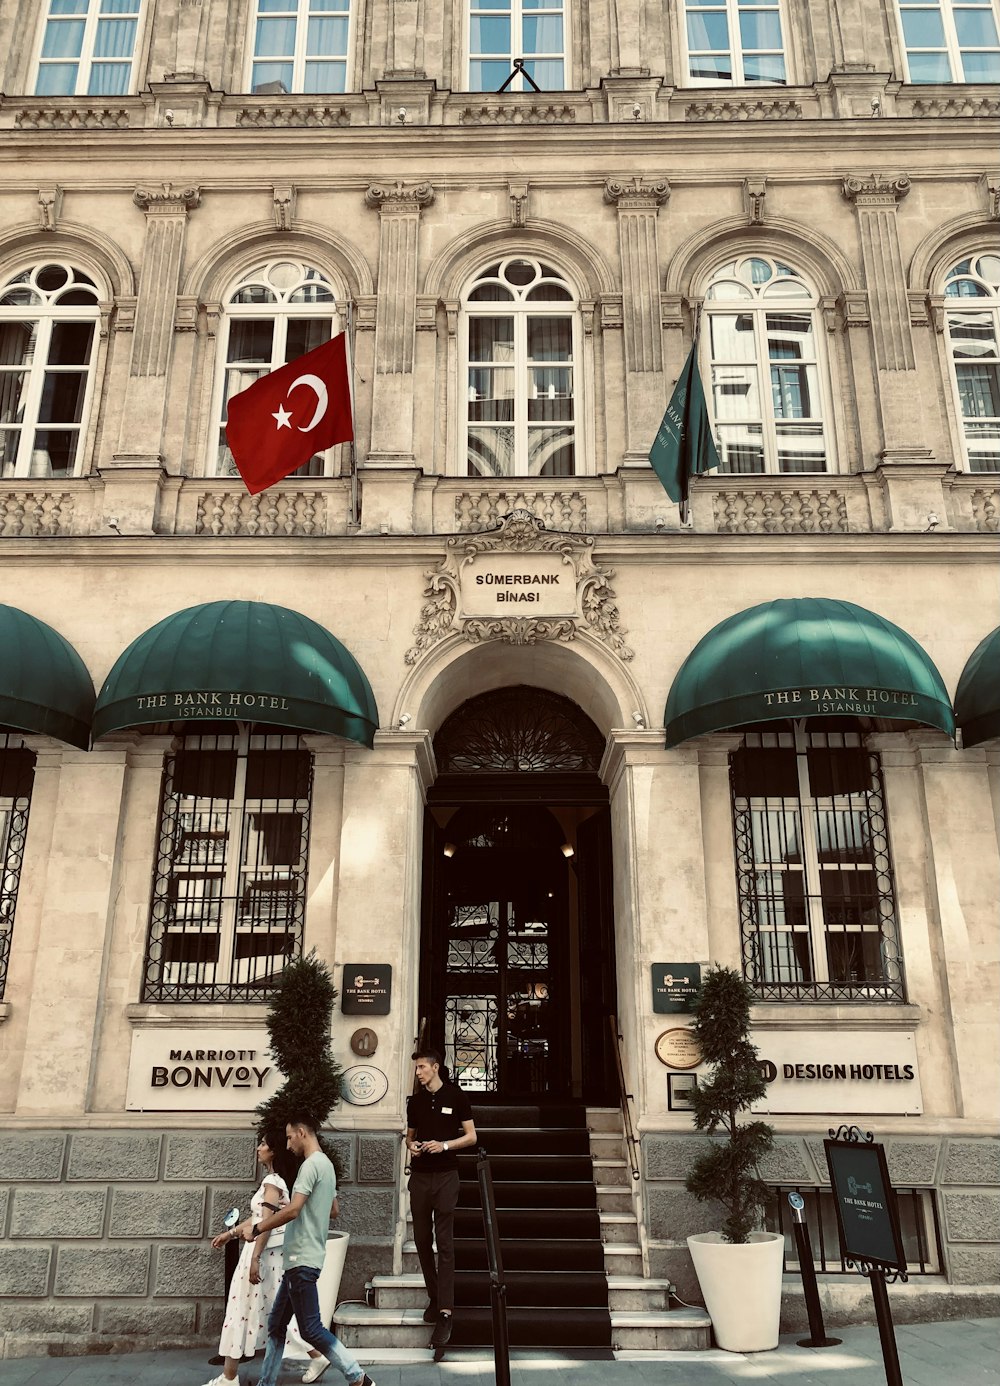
{"x":518,"y":973}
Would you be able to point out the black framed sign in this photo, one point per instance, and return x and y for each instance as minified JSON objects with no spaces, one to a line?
{"x":367,"y":989}
{"x":675,"y":986}
{"x":867,"y":1218}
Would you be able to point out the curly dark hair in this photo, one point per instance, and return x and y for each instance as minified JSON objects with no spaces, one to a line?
{"x":283,"y":1161}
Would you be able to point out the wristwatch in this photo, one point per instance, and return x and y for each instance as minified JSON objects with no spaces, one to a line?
{"x":445,"y":1146}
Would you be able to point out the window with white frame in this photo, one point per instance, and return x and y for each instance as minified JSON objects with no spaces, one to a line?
{"x":814,"y":870}
{"x":521,"y":332}
{"x":88,"y":47}
{"x":49,"y":318}
{"x":737,"y":42}
{"x":951,"y":40}
{"x":972,"y":310}
{"x":229,"y":883}
{"x":767,"y":398}
{"x":277,"y":312}
{"x":502,"y":30}
{"x":300,"y":46}
{"x":17,"y":773}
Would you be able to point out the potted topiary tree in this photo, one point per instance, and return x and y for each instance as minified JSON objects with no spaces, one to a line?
{"x":298,"y":1025}
{"x":739,"y":1267}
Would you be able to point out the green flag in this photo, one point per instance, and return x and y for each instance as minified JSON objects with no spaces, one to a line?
{"x":684,"y":446}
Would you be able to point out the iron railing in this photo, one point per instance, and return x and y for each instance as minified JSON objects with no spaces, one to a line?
{"x":494,"y":1257}
{"x":625,"y":1099}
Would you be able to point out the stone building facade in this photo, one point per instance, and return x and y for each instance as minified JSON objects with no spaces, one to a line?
{"x":195,"y":193}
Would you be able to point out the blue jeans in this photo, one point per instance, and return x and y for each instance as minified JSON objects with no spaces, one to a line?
{"x":297,"y":1295}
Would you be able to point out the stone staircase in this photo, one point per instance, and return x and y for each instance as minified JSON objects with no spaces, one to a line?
{"x":571,"y":1246}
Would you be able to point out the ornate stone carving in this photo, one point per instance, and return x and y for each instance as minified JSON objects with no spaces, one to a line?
{"x":743,"y":110}
{"x":283,"y":206}
{"x":49,"y":207}
{"x":754,"y":192}
{"x":519,"y":532}
{"x":875,"y":189}
{"x":71,"y":118}
{"x":955,"y":106}
{"x":991,"y":187}
{"x":483,"y":510}
{"x":29,"y":513}
{"x":288,"y":117}
{"x":986,"y":510}
{"x":167,"y":198}
{"x":637,"y":193}
{"x":517,"y":194}
{"x":497,"y":114}
{"x":402,"y":196}
{"x":781,"y":512}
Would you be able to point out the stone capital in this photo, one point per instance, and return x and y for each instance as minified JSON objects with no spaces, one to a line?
{"x":636,"y":194}
{"x":166,"y":199}
{"x":875,"y":189}
{"x":399,"y":196}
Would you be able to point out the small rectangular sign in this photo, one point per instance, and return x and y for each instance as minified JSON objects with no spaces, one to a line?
{"x":675,"y":985}
{"x":867,"y":1218}
{"x":367,"y":989}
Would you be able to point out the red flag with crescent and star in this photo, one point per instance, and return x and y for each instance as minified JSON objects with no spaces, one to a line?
{"x":287,"y":416}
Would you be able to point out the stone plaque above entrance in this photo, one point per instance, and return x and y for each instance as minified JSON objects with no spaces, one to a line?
{"x":520,"y":583}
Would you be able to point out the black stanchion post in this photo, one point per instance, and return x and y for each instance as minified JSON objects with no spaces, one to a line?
{"x":817,"y":1330}
{"x":883,"y":1317}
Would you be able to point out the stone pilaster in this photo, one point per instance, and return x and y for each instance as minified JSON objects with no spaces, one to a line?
{"x":875,"y":200}
{"x":405,"y":45}
{"x":638,"y":203}
{"x":166,"y":210}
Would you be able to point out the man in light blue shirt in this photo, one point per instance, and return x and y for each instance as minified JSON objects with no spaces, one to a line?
{"x":314,"y":1198}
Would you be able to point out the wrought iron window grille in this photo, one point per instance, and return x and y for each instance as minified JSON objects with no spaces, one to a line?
{"x":17,"y":773}
{"x":918,"y":1219}
{"x":518,"y":730}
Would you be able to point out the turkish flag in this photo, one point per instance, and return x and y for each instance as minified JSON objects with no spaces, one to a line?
{"x":285,"y":417}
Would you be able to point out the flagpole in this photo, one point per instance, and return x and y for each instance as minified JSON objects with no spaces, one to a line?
{"x":685,"y":505}
{"x":352,"y":460}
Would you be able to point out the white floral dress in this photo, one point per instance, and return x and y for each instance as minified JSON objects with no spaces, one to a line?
{"x":244,"y":1329}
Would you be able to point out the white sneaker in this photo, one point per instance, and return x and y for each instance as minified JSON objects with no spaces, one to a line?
{"x":223,"y":1380}
{"x":317,"y":1366}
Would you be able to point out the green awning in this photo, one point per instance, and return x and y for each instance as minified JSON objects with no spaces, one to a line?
{"x":246,"y":661}
{"x":804,"y":657}
{"x":977,"y":700}
{"x":44,"y":684}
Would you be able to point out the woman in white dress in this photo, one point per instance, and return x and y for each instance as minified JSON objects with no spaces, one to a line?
{"x":258,"y":1273}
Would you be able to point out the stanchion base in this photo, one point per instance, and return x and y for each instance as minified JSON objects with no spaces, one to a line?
{"x":819,"y":1342}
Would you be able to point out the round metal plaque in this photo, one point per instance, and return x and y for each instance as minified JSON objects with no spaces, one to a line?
{"x":364,"y":1042}
{"x":363,"y":1085}
{"x":678,"y":1048}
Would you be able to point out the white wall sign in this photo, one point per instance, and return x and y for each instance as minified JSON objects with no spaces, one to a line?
{"x":220,"y":1070}
{"x":840,"y":1072}
{"x":518,"y":584}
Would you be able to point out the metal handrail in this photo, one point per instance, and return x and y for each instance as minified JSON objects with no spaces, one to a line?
{"x":494,"y":1257}
{"x":625,"y":1098}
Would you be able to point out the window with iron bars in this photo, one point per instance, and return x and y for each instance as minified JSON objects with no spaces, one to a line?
{"x":814,"y":871}
{"x":17,"y":773}
{"x":918,"y":1225}
{"x":229,"y":882}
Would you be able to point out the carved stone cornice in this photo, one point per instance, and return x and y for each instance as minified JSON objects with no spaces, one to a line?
{"x":875,"y":189}
{"x":399,"y":197}
{"x":637,"y":194}
{"x":167,"y":199}
{"x":519,"y":532}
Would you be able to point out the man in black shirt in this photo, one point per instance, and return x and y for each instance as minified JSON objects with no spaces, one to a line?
{"x":438,"y":1123}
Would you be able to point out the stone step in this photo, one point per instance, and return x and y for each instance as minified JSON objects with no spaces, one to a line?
{"x":606,"y":1119}
{"x":625,"y":1292}
{"x":606,"y":1145}
{"x":616,"y":1225}
{"x":620,"y":1258}
{"x":614,"y":1198}
{"x":611,"y":1171}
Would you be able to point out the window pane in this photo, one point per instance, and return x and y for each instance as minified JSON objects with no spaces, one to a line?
{"x":742,"y":448}
{"x":981,"y":67}
{"x":275,"y":38}
{"x":115,"y":38}
{"x":760,"y":29}
{"x":250,"y":340}
{"x":326,"y":38}
{"x":547,"y":74}
{"x":304,"y":334}
{"x":543,"y":35}
{"x":325,"y":77}
{"x":487,"y":76}
{"x":63,"y":39}
{"x":12,"y":396}
{"x":550,"y":339}
{"x":929,"y":67}
{"x":718,"y":69}
{"x":17,"y":343}
{"x":732,"y":337}
{"x":62,"y":397}
{"x":271,"y":78}
{"x":764,"y":67}
{"x":708,"y":32}
{"x":491,"y":452}
{"x":550,"y":452}
{"x":491,"y":339}
{"x":109,"y":79}
{"x":923,"y":29}
{"x":491,"y":396}
{"x":278,"y":774}
{"x":979,"y":390}
{"x":801,"y":448}
{"x":54,"y":452}
{"x":975,"y":28}
{"x":734,"y":393}
{"x":490,"y":34}
{"x":9,"y":441}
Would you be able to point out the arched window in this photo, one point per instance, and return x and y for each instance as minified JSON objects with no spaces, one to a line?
{"x":951,"y":40}
{"x":734,"y":42}
{"x":48,"y":333}
{"x":502,"y":30}
{"x":521,"y":342}
{"x":87,"y":48}
{"x":972,"y":295}
{"x":767,"y":398}
{"x":300,"y":46}
{"x":277,"y":311}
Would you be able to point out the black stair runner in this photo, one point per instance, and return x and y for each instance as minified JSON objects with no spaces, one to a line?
{"x":550,"y":1231}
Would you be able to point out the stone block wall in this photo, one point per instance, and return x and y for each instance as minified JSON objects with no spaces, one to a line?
{"x":105,"y":1234}
{"x":964,"y":1175}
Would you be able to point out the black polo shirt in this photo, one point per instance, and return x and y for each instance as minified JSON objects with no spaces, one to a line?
{"x":437,"y":1116}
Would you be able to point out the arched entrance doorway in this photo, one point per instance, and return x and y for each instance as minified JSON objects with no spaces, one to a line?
{"x":517,"y":955}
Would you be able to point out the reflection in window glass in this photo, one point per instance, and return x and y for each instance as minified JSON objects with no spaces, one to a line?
{"x":737,"y":42}
{"x":951,"y":40}
{"x":972,"y":297}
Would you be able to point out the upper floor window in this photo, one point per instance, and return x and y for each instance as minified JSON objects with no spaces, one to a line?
{"x":734,"y":41}
{"x":48,"y":330}
{"x":972,"y":294}
{"x":521,"y":332}
{"x":502,"y":30}
{"x":951,"y":40}
{"x":229,"y":885}
{"x":87,"y":48}
{"x":300,"y":46}
{"x":814,"y":871}
{"x":17,"y":773}
{"x":765,"y":371}
{"x":276,"y":312}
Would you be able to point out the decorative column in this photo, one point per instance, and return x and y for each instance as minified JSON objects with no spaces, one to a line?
{"x":638,"y":203}
{"x":134,"y":477}
{"x":911,"y":480}
{"x":389,"y":475}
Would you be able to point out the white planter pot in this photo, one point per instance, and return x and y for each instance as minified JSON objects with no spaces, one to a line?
{"x":327,"y":1287}
{"x":742,"y":1288}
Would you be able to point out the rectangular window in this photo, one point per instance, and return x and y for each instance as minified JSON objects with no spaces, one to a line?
{"x":230,"y":877}
{"x":88,"y":47}
{"x":814,"y":874}
{"x":951,"y":40}
{"x":17,"y":773}
{"x":917,"y":1220}
{"x":502,"y":30}
{"x":300,"y":46}
{"x":734,"y":42}
{"x":973,"y":339}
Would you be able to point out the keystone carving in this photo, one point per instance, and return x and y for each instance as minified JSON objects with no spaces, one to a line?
{"x":284,"y":206}
{"x":49,"y":207}
{"x":518,"y":195}
{"x":401,"y":195}
{"x":638,"y":191}
{"x":754,"y":192}
{"x":991,"y":187}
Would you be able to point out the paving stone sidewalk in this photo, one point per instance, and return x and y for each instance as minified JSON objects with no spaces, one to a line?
{"x":962,"y":1352}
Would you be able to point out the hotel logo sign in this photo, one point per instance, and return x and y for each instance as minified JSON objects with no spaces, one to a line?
{"x":198,"y":1070}
{"x":522,"y":584}
{"x":853,"y":700}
